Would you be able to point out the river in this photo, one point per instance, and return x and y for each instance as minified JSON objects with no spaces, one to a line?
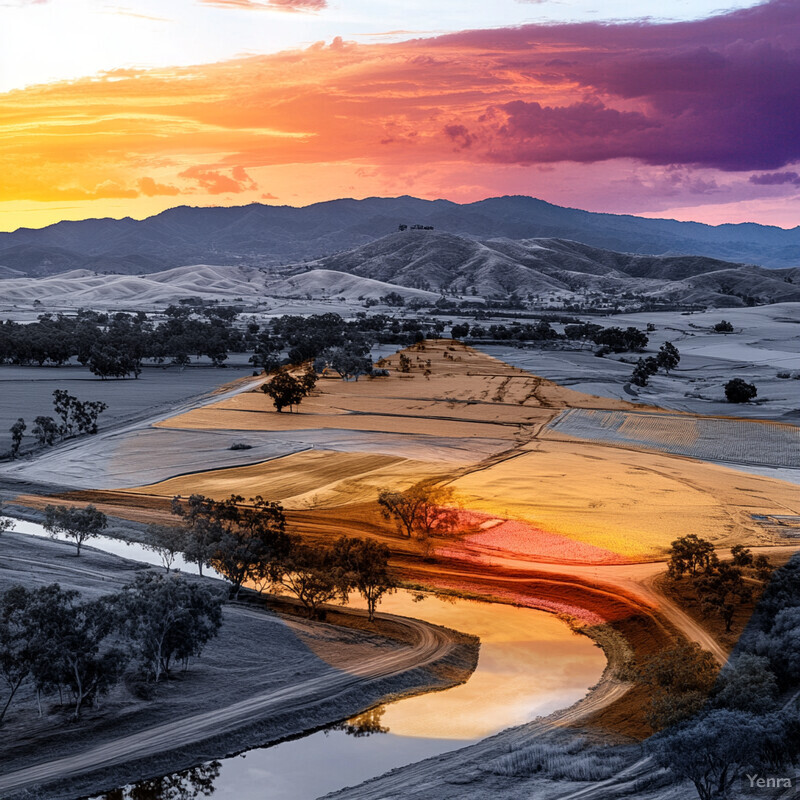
{"x":530,"y":665}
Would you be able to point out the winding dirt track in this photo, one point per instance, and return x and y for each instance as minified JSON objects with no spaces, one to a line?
{"x":430,"y":644}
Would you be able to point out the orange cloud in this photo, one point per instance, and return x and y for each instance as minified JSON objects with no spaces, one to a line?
{"x":716,"y":94}
{"x":151,"y":188}
{"x":216,"y":182}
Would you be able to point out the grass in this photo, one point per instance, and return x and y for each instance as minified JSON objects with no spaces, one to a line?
{"x":574,"y":760}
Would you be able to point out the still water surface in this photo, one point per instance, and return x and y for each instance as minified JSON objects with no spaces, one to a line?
{"x":530,"y":664}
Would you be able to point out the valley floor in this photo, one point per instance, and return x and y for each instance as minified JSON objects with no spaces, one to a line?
{"x":577,"y":527}
{"x":267,"y":676}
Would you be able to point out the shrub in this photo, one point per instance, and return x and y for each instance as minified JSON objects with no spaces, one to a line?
{"x":738,"y":390}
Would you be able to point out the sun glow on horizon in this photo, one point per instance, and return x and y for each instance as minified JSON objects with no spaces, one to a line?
{"x":582,"y":114}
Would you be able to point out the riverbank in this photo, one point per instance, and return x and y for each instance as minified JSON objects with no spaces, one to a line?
{"x":267,"y":676}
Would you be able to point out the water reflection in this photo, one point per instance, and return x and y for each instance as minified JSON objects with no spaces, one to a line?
{"x":366,"y":724}
{"x":190,"y":784}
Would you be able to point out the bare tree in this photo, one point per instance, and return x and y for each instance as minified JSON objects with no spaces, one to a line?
{"x":422,"y":510}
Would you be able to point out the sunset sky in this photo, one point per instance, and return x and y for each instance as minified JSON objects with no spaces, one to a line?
{"x":128,"y":108}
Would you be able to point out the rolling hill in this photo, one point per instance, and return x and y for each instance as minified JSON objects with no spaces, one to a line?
{"x":438,"y":262}
{"x":262,"y":236}
{"x":423,"y":264}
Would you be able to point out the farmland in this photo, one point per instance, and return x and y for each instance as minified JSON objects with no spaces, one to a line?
{"x":575,"y":521}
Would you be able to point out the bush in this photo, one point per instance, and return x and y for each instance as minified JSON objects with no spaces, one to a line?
{"x":739,"y":391}
{"x":723,"y":327}
{"x":240,"y":446}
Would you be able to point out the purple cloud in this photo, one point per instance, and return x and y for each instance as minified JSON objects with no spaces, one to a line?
{"x":723,"y":92}
{"x":776,"y":179}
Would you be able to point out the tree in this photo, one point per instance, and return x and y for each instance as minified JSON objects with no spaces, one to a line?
{"x":393,"y":299}
{"x":404,"y":363}
{"x":741,"y":556}
{"x":284,"y":390}
{"x":746,"y":683}
{"x":266,"y":352}
{"x":241,"y":542}
{"x":6,"y":524}
{"x":723,"y":326}
{"x":168,"y":619}
{"x":781,"y":644}
{"x":349,"y":361}
{"x":690,"y":554}
{"x":79,"y":524}
{"x":668,"y":357}
{"x":721,"y":590}
{"x":45,"y":429}
{"x":422,"y":509}
{"x":17,"y":432}
{"x":459,"y":330}
{"x":75,"y":644}
{"x":308,"y":381}
{"x":15,"y":655}
{"x":167,"y":542}
{"x":763,"y":568}
{"x":253,"y":540}
{"x":311,"y":576}
{"x":364,"y":565}
{"x":645,"y":367}
{"x":620,"y":341}
{"x":190,"y":784}
{"x":202,"y":530}
{"x":712,"y":750}
{"x":680,"y":679}
{"x":738,"y":390}
{"x":76,"y":416}
{"x":108,"y":361}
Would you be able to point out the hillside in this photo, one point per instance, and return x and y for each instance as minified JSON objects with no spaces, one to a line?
{"x":261,"y":235}
{"x":497,"y":267}
{"x":83,"y":288}
{"x":424,"y":264}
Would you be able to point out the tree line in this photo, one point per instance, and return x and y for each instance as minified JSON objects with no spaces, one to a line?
{"x":76,"y":649}
{"x":608,"y":339}
{"x":115,"y":346}
{"x":247,"y":544}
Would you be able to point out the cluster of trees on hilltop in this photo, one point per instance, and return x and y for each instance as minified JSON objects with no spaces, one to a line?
{"x":247,"y":543}
{"x":62,"y":645}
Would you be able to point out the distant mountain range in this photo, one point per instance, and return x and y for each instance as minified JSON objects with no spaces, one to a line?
{"x":423,"y":264}
{"x":264,"y":236}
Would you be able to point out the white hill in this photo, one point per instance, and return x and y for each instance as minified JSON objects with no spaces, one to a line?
{"x":330,"y":283}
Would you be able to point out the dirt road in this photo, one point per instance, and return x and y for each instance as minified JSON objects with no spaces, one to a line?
{"x":430,"y":644}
